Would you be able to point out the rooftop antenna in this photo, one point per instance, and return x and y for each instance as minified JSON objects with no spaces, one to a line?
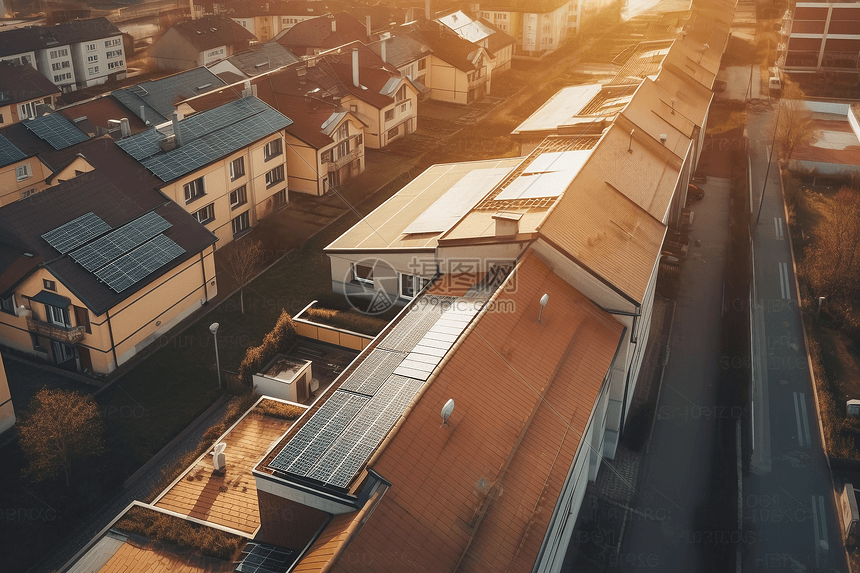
{"x":673,"y":106}
{"x":543,"y":300}
{"x":630,"y":145}
{"x":446,"y":411}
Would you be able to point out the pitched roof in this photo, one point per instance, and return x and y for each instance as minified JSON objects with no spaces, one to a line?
{"x":23,"y":83}
{"x":213,"y":31}
{"x":159,"y":97}
{"x":401,"y":49}
{"x":262,"y":58}
{"x":317,"y":33}
{"x":205,"y":137}
{"x":9,"y":153}
{"x":22,"y":40}
{"x":449,"y":47}
{"x":524,"y":391}
{"x":117,"y":191}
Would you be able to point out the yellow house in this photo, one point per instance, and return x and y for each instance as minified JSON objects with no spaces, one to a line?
{"x":20,"y":175}
{"x":22,"y":90}
{"x":98,"y":267}
{"x":460,"y":71}
{"x":226,"y":166}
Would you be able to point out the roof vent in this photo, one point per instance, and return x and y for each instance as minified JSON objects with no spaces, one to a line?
{"x":507,"y":224}
{"x":663,"y":138}
{"x":446,"y":411}
{"x":219,"y":460}
{"x":203,"y":87}
{"x":543,"y":302}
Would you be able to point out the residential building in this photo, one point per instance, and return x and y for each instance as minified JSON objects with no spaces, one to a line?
{"x":20,"y":175}
{"x":100,"y":265}
{"x":254,"y":61}
{"x":154,"y":101}
{"x":7,"y":409}
{"x":199,"y":42}
{"x":258,"y":18}
{"x":458,"y":70}
{"x":483,"y":33}
{"x":226,"y":166}
{"x":310,"y":37}
{"x":821,"y":37}
{"x":101,"y":115}
{"x":73,"y":55}
{"x":22,"y":91}
{"x":539,"y":29}
{"x":408,"y":55}
{"x":834,"y":150}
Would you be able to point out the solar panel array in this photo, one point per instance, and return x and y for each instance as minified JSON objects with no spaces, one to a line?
{"x":265,"y":558}
{"x":56,"y":130}
{"x":205,"y":137}
{"x":76,"y":232}
{"x":139,"y":263}
{"x":336,"y":442}
{"x":9,"y":153}
{"x":120,"y":241}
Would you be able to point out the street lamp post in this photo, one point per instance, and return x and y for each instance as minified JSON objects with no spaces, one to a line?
{"x":213,"y":328}
{"x":769,"y":160}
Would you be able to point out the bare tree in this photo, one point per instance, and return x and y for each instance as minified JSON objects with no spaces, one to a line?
{"x":794,"y":125}
{"x":241,"y":264}
{"x":61,"y":428}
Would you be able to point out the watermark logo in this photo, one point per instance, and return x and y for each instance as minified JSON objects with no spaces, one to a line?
{"x":371,"y":286}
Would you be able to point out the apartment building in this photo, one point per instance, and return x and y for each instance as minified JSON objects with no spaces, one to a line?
{"x":537,"y":32}
{"x":821,"y":37}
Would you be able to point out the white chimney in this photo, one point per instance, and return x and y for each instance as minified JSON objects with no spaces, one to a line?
{"x":333,"y":25}
{"x":176,"y":135}
{"x":382,"y":53}
{"x":367,"y":25}
{"x":124,"y":128}
{"x":427,"y":14}
{"x":143,"y":113}
{"x":219,"y":460}
{"x":355,"y":81}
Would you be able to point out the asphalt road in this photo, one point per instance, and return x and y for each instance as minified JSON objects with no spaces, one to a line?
{"x":789,"y":511}
{"x":669,"y":530}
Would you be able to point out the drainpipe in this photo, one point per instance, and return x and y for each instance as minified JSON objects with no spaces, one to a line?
{"x":112,"y":343}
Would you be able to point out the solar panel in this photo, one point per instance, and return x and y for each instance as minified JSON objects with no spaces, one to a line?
{"x":120,"y":241}
{"x":265,"y":558}
{"x":312,"y":440}
{"x":550,"y":184}
{"x":56,"y":130}
{"x":9,"y":153}
{"x":340,"y":463}
{"x":412,"y":327}
{"x":76,"y":232}
{"x":372,"y":372}
{"x":139,"y":263}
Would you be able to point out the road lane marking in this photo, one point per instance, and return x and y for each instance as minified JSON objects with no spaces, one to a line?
{"x":777,"y":225}
{"x":784,"y":285}
{"x":797,"y":419}
{"x":824,"y":544}
{"x":817,"y":537}
{"x":804,"y":419}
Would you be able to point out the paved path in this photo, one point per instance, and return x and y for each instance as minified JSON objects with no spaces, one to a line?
{"x":788,"y":496}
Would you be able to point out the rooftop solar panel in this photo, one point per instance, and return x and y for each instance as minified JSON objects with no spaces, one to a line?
{"x":120,"y":241}
{"x":76,"y":232}
{"x":58,"y":131}
{"x":139,"y":263}
{"x":373,"y":371}
{"x":265,"y":558}
{"x":9,"y":153}
{"x":412,"y":327}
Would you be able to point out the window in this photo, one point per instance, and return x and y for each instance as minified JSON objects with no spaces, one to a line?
{"x":273,"y":149}
{"x":275,"y":176}
{"x":422,"y":78}
{"x":362,"y":273}
{"x":353,"y":108}
{"x":82,"y":318}
{"x":342,"y":149}
{"x":114,"y":54}
{"x":206,"y":214}
{"x":91,"y":47}
{"x":404,"y":107}
{"x":49,"y":285}
{"x":59,"y":53}
{"x":93,"y":58}
{"x":401,"y":94}
{"x":393,"y":132}
{"x":358,"y":140}
{"x":61,"y":77}
{"x":389,"y":114}
{"x":280,"y":198}
{"x":7,"y":304}
{"x":194,"y":190}
{"x":238,"y":197}
{"x":237,"y":168}
{"x":23,"y":172}
{"x":422,"y":64}
{"x":36,"y":344}
{"x":62,"y":352}
{"x":27,"y":193}
{"x":57,"y":66}
{"x":343,"y":131}
{"x":93,"y":70}
{"x":411,"y":285}
{"x":326,"y":156}
{"x":116,"y":64}
{"x":27,"y":110}
{"x":114,"y":42}
{"x":57,"y":315}
{"x":241,"y":223}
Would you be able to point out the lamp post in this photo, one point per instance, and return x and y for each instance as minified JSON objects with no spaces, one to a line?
{"x":213,"y":328}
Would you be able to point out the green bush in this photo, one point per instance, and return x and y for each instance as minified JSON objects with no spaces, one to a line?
{"x":347,"y":319}
{"x":279,"y":340}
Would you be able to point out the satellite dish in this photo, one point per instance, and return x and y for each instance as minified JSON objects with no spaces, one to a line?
{"x":543,"y":301}
{"x":446,"y":411}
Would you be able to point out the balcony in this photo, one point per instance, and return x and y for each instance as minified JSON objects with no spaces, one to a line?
{"x":345,"y":160}
{"x":67,"y":334}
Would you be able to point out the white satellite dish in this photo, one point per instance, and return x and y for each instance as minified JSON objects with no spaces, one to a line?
{"x":219,"y":460}
{"x":446,"y":411}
